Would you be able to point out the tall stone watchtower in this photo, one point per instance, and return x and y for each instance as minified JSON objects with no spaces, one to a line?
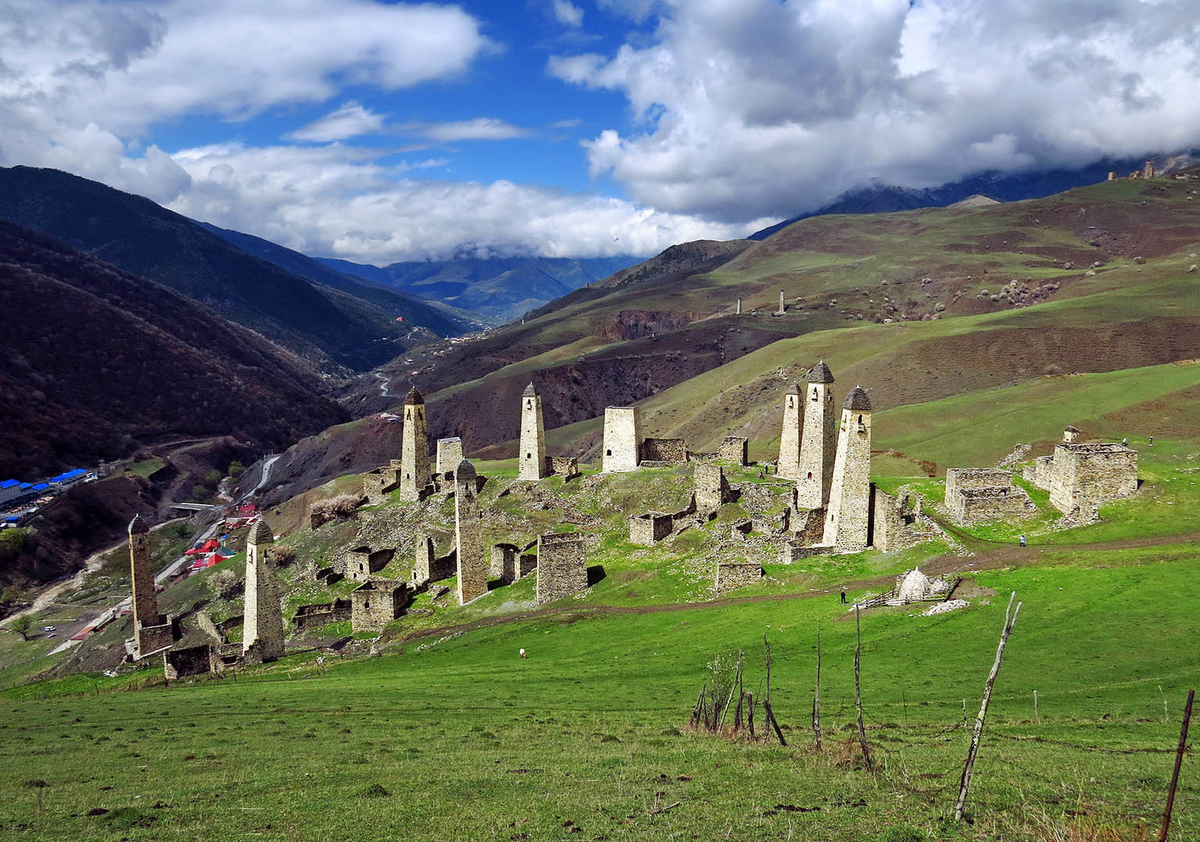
{"x":847,"y":520}
{"x":531,"y":459}
{"x":414,"y":452}
{"x":145,"y":600}
{"x":818,"y":446}
{"x":262,"y":631}
{"x":622,"y":439}
{"x":472,"y":565}
{"x":788,"y":466}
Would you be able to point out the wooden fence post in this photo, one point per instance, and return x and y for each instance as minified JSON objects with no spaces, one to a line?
{"x":1187,"y":718}
{"x":965,"y":784}
{"x":862,"y":732}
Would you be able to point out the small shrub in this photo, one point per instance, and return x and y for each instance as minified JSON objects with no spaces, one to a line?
{"x":373,"y":791}
{"x":341,"y":506}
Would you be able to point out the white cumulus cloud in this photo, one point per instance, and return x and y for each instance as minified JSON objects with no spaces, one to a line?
{"x":350,"y":120}
{"x":766,"y":107}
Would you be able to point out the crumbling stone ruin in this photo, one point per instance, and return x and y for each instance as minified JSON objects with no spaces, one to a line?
{"x":976,"y":495}
{"x":377,"y":602}
{"x":320,"y":614}
{"x":734,"y":575}
{"x":414,"y":450}
{"x":262,"y":631}
{"x":468,"y":537}
{"x":788,"y":465}
{"x":506,"y":562}
{"x":664,"y":451}
{"x":734,"y":449}
{"x":361,"y":563}
{"x":152,"y":632}
{"x":650,"y":528}
{"x":565,"y":467}
{"x":1083,"y":476}
{"x":531,"y":461}
{"x":622,"y":439}
{"x":377,"y":484}
{"x":561,"y":566}
{"x":818,"y":444}
{"x":897,"y":524}
{"x":427,"y":567}
{"x":847,"y":520}
{"x":449,"y":454}
{"x":1070,"y":434}
{"x":712,"y":491}
{"x":188,"y":661}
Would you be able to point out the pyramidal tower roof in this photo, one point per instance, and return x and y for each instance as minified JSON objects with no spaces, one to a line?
{"x":260,"y":533}
{"x":138,"y":526}
{"x":413,"y":397}
{"x":530,"y":392}
{"x":794,"y":389}
{"x":820,"y":373}
{"x":465,"y":470}
{"x":858,"y":400}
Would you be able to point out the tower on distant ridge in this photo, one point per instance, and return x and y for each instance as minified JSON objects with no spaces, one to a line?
{"x":262,"y":629}
{"x":414,"y":450}
{"x":788,"y":465}
{"x":531,"y":459}
{"x":472,"y":565}
{"x":847,"y":520}
{"x":1148,"y":170}
{"x":818,"y":445}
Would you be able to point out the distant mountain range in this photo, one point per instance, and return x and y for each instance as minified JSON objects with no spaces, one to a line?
{"x":499,"y":288}
{"x":95,"y":361}
{"x":332,"y":319}
{"x":885,"y":198}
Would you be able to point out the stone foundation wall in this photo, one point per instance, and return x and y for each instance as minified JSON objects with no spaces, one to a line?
{"x":565,"y":467}
{"x":561,"y":567}
{"x":191,"y":660}
{"x":528,"y":564}
{"x":151,"y":639}
{"x":650,"y":528}
{"x":664,"y":450}
{"x":809,"y":526}
{"x":958,"y":479}
{"x":730,"y":576}
{"x":320,"y":614}
{"x":978,"y":505}
{"x":734,"y":449}
{"x":711,"y":489}
{"x":504,"y":562}
{"x":791,"y":553}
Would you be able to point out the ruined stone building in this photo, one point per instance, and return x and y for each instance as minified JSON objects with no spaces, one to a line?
{"x":847,"y":518}
{"x":561,"y":566}
{"x":449,"y":454}
{"x":1083,"y":476}
{"x":414,"y":451}
{"x":506,"y":564}
{"x":377,"y":484}
{"x":732,"y":575}
{"x":661,"y":452}
{"x":377,"y":602}
{"x":650,"y":528}
{"x":152,"y":632}
{"x":622,"y":439}
{"x":897,"y":524}
{"x":531,"y":458}
{"x":319,"y":614}
{"x":977,"y":495}
{"x":468,"y":535}
{"x":711,"y":489}
{"x":819,"y":442}
{"x":788,"y":465}
{"x":427,"y":567}
{"x":262,"y":631}
{"x":734,"y":449}
{"x":361,"y":563}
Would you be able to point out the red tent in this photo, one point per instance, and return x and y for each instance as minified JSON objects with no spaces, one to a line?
{"x":213,"y":560}
{"x":194,"y":551}
{"x":210,"y":545}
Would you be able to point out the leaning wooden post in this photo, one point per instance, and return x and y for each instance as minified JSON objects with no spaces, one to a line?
{"x":965,"y":784}
{"x":862,"y":732}
{"x":816,"y":716}
{"x":1187,"y":717}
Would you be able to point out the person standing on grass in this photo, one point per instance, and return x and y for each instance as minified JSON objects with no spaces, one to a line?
{"x":843,"y":597}
{"x":1022,"y":540}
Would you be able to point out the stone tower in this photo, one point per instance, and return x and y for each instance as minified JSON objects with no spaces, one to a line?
{"x":532,"y":457}
{"x":622,"y":439}
{"x":818,"y":445}
{"x":788,"y":466}
{"x":1148,"y":170}
{"x":782,"y":305}
{"x":472,"y":564}
{"x":145,"y":601}
{"x":1070,"y":434}
{"x":262,"y":631}
{"x":847,"y":521}
{"x":414,"y":452}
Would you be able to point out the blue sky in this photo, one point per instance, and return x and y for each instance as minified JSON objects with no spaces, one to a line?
{"x":381,"y":131}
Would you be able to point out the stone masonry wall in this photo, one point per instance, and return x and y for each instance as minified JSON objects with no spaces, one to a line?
{"x":1086,"y":476}
{"x":449,"y":454}
{"x":734,"y":449}
{"x":664,"y":450}
{"x":978,"y":505}
{"x":650,"y":528}
{"x":427,"y":567}
{"x":472,"y":563}
{"x":361,"y":563}
{"x":847,"y":520}
{"x":564,"y":466}
{"x":712,"y":490}
{"x":958,"y":479}
{"x":376,"y":603}
{"x":561,"y":567}
{"x":531,"y":457}
{"x":788,"y":465}
{"x":414,"y":453}
{"x":504,"y":562}
{"x":263,"y":625}
{"x":730,"y":576}
{"x":622,"y":439}
{"x":818,"y":446}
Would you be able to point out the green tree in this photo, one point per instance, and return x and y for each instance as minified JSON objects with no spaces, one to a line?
{"x":236,"y":469}
{"x":22,"y":625}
